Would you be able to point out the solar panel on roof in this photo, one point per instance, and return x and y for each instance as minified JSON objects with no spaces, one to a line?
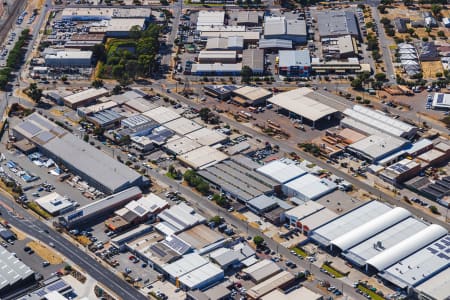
{"x":432,"y":250}
{"x":439,"y":246}
{"x":442,"y":255}
{"x":41,"y":293}
{"x":56,"y":286}
{"x":440,"y":98}
{"x":45,"y":136}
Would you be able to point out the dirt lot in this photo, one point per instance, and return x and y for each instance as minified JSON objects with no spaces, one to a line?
{"x":431,"y":68}
{"x":45,"y":252}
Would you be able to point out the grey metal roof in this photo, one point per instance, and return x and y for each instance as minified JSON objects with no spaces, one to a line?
{"x":262,"y":202}
{"x":12,"y":270}
{"x":253,"y":58}
{"x":289,"y":58}
{"x":275,"y":43}
{"x":336,"y":23}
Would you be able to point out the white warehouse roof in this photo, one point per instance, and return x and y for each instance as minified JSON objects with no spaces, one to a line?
{"x":201,"y":275}
{"x":406,"y":247}
{"x":309,"y":187}
{"x":181,"y":216}
{"x":162,"y":114}
{"x":186,"y":264}
{"x":345,"y":223}
{"x":298,"y":102}
{"x":282,"y":170}
{"x":206,"y":17}
{"x":437,"y":286}
{"x":374,"y":226}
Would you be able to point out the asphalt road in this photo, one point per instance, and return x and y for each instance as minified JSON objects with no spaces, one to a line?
{"x":35,"y":228}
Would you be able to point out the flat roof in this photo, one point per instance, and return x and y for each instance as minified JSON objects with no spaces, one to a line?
{"x":297,"y":294}
{"x":319,"y":218}
{"x":377,"y":146}
{"x":282,"y":170}
{"x":437,"y":286}
{"x":431,"y":155}
{"x":247,"y":35}
{"x":216,"y":67}
{"x":206,"y":136}
{"x":270,"y":284}
{"x":304,"y":210}
{"x":202,"y":157}
{"x":200,"y":236}
{"x":54,"y":202}
{"x":140,"y":105}
{"x":262,"y":202}
{"x":86,"y":94}
{"x":290,"y":58}
{"x":206,"y":17}
{"x":183,"y":126}
{"x":162,"y":114}
{"x":384,"y":240}
{"x":275,"y":43}
{"x":70,"y":55}
{"x":181,"y":216}
{"x":184,"y":265}
{"x":262,"y":269}
{"x":347,"y":222}
{"x":311,"y":186}
{"x":219,"y":54}
{"x":441,"y":100}
{"x":335,"y":23}
{"x":253,"y":58}
{"x":182,"y":145}
{"x":298,"y":102}
{"x":252,"y":93}
{"x":205,"y":274}
{"x":150,"y":203}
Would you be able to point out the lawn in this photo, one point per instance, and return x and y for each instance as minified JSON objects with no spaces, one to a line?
{"x":372,"y":294}
{"x":333,"y":271}
{"x":299,"y":251}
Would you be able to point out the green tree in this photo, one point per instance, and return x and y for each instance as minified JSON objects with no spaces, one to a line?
{"x":64,"y":78}
{"x":436,"y":10}
{"x":357,"y":84}
{"x":135,"y":32}
{"x":34,"y":92}
{"x":117,"y":89}
{"x":97,"y":83}
{"x":204,"y":114}
{"x":246,"y":74}
{"x":86,"y":138}
{"x":99,"y":52}
{"x":434,"y":210}
{"x":258,"y":240}
{"x":380,"y":77}
{"x":203,"y":187}
{"x":216,"y":219}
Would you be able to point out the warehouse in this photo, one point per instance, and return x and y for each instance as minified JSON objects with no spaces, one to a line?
{"x":422,"y":264}
{"x":100,"y":208}
{"x":339,"y":47}
{"x":248,"y":36}
{"x":262,"y":270}
{"x":207,"y":137}
{"x":275,"y":44}
{"x":118,"y":28}
{"x":300,"y":103}
{"x":251,"y":96}
{"x":248,"y":18}
{"x":55,"y":204}
{"x":83,"y":98}
{"x":384,"y":240}
{"x":282,"y":28}
{"x":264,"y":204}
{"x":237,"y":255}
{"x":211,"y":57}
{"x":347,"y":222}
{"x":182,"y":126}
{"x":183,"y":266}
{"x":181,"y":217}
{"x":102,"y":13}
{"x":282,"y":170}
{"x":294,"y":63}
{"x":376,"y":147}
{"x":298,"y":213}
{"x":162,"y":114}
{"x":206,"y":18}
{"x":181,"y":146}
{"x":400,"y":171}
{"x":308,"y":187}
{"x":337,"y":23}
{"x":435,"y":288}
{"x":237,"y":181}
{"x":202,"y":238}
{"x":232,"y":43}
{"x":95,"y":108}
{"x":381,"y":122}
{"x":140,"y":105}
{"x":221,"y":92}
{"x":137,"y":125}
{"x":218,"y":69}
{"x":280,"y":280}
{"x":15,"y":275}
{"x":121,"y":240}
{"x":202,"y":157}
{"x":69,"y":59}
{"x":302,"y":293}
{"x":311,"y":222}
{"x":202,"y":277}
{"x":254,"y":59}
{"x":95,"y":167}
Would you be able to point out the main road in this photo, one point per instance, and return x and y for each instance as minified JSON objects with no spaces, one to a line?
{"x":23,"y":221}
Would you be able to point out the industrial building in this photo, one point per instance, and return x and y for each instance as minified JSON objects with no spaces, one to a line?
{"x":254,"y":59}
{"x":202,"y":238}
{"x":280,"y":280}
{"x":105,"y":119}
{"x":239,"y":254}
{"x":377,"y":147}
{"x":441,"y":101}
{"x":211,"y":57}
{"x":202,"y":157}
{"x":282,"y":28}
{"x":202,"y":277}
{"x":99,"y":208}
{"x":84,"y":97}
{"x":237,"y":180}
{"x":264,"y":205}
{"x":301,"y":103}
{"x":181,"y":217}
{"x":337,"y":23}
{"x":294,"y":63}
{"x":315,"y":220}
{"x":262,"y":270}
{"x":297,"y":294}
{"x":435,"y":288}
{"x":69,"y":59}
{"x":117,"y":28}
{"x":275,"y":44}
{"x":55,"y":204}
{"x":248,"y":18}
{"x":221,"y":92}
{"x":251,"y":96}
{"x":339,"y":47}
{"x":248,"y":36}
{"x":217,"y":69}
{"x":181,"y":146}
{"x":162,"y":114}
{"x":381,"y":121}
{"x":95,"y":108}
{"x":232,"y":43}
{"x":15,"y":276}
{"x":95,"y":167}
{"x":182,"y":126}
{"x":401,"y":171}
{"x":281,"y":170}
{"x":308,"y":187}
{"x":296,"y":214}
{"x":103,"y":13}
{"x":207,"y":137}
{"x":208,"y":18}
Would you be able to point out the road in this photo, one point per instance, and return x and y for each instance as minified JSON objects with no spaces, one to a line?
{"x":35,"y":228}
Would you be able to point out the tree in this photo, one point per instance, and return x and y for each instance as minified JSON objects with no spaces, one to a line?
{"x":216,"y":219}
{"x":258,"y":240}
{"x":86,"y":138}
{"x":357,"y":84}
{"x":64,"y":78}
{"x":441,"y":33}
{"x":380,"y":77}
{"x":34,"y":92}
{"x":99,"y":52}
{"x":434,"y":210}
{"x":436,"y":10}
{"x":203,"y":187}
{"x":246,"y":74}
{"x":117,"y":89}
{"x":135,"y":32}
{"x":204,"y":114}
{"x":97,"y":83}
